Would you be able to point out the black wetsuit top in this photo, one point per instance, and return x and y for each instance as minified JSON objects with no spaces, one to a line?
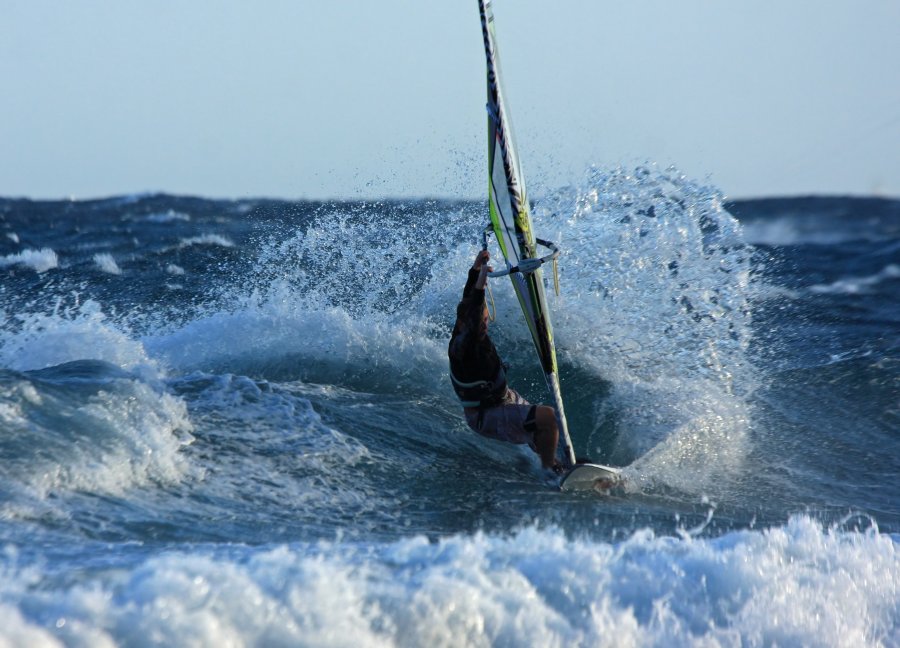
{"x":474,"y":358}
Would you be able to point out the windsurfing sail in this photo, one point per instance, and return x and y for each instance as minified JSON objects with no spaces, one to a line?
{"x":511,"y":224}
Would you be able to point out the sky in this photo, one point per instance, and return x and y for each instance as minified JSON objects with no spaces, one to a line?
{"x":307,"y":99}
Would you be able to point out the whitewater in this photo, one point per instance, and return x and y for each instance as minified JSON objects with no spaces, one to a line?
{"x":229,"y":422}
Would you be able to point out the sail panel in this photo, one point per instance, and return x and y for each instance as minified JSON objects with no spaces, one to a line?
{"x":512,"y":222}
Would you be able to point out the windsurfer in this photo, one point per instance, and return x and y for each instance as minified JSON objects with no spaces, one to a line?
{"x":492,"y":408}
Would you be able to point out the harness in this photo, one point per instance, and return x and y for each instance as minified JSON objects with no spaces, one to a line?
{"x":481,"y":393}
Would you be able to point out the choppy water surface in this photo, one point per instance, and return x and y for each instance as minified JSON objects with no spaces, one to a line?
{"x":231,"y":422}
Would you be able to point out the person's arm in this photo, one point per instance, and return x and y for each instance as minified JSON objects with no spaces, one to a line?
{"x":470,"y":309}
{"x":478,"y":273}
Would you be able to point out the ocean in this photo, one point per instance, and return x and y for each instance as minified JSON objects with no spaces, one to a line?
{"x":229,"y":423}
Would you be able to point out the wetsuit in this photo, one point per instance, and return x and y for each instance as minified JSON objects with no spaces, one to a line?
{"x":479,"y":375}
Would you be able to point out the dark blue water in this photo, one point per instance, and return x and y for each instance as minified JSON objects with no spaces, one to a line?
{"x":230,"y":421}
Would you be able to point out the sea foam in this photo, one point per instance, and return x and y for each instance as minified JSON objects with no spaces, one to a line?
{"x":798,"y":584}
{"x":39,"y":340}
{"x":105,"y":262}
{"x":38,"y":260}
{"x":858,"y":285}
{"x":85,"y":408}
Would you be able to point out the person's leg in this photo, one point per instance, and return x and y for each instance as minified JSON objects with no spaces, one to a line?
{"x":546,"y":434}
{"x":519,"y":422}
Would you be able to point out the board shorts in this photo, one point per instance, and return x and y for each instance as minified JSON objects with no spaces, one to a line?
{"x":512,"y":421}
